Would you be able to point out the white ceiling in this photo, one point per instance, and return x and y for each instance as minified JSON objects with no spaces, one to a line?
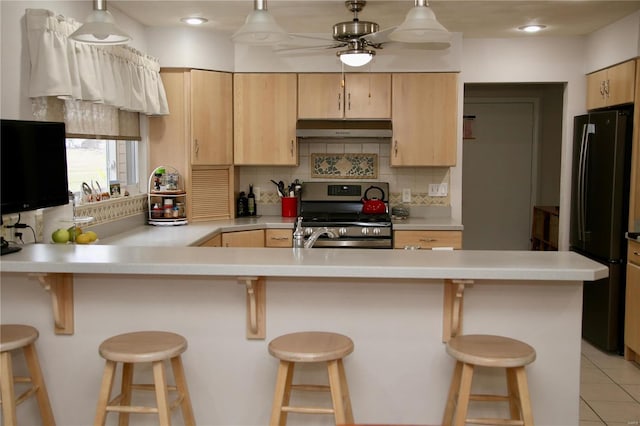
{"x":473,"y":18}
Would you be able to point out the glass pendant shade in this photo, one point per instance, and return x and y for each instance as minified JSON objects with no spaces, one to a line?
{"x":100,"y":28}
{"x":356,"y":58}
{"x":259,"y":28}
{"x":421,"y":26}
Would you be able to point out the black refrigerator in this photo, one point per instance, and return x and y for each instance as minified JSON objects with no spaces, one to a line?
{"x":599,"y":218}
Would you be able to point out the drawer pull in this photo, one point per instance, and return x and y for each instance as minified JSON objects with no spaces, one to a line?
{"x":428,"y":240}
{"x":279,"y":238}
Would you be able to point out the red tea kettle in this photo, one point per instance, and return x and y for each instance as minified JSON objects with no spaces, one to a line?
{"x":373,"y":205}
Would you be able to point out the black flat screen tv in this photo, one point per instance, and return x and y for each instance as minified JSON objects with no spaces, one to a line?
{"x":34,"y":165}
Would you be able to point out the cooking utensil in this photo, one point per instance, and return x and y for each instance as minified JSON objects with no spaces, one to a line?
{"x":373,"y":205}
{"x":280,"y":187}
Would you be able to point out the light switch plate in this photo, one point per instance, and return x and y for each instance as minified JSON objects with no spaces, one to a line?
{"x":257,"y":192}
{"x":438,"y":189}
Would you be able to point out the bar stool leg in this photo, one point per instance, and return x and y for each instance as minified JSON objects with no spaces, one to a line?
{"x":183,"y":390}
{"x":37,"y":380}
{"x":525,"y":400}
{"x":105,"y":393}
{"x":162,"y":393}
{"x":125,"y":390}
{"x":339,"y":394}
{"x":513,"y":394}
{"x":282,"y":393}
{"x":453,"y":393}
{"x":462,"y":405}
{"x":6,"y":389}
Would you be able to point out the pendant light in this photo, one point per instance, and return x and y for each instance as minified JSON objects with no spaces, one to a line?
{"x":100,"y":28}
{"x":421,"y":26}
{"x":357,"y":55}
{"x":260,"y":27}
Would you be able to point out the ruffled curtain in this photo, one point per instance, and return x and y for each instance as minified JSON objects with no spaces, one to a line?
{"x":116,"y":76}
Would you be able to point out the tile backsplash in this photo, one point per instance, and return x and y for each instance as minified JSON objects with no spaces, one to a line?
{"x":417,"y":179}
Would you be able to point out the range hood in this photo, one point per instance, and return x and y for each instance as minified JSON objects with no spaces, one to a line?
{"x":344,"y":129}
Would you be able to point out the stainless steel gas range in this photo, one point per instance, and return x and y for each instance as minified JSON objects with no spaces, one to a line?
{"x":333,"y":213}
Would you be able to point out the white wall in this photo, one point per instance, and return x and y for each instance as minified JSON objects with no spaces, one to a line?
{"x":613,"y":44}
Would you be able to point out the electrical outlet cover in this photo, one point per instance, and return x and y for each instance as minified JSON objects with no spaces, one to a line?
{"x":406,"y":195}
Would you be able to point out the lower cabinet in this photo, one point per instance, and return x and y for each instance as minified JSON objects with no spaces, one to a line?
{"x":213,"y":242}
{"x":253,"y":238}
{"x":425,"y":240}
{"x":632,"y":308}
{"x":279,"y":238}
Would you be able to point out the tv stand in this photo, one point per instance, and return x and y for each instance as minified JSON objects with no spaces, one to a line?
{"x":8,"y":247}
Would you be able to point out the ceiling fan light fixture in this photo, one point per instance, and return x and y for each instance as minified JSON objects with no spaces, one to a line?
{"x":421,"y":26}
{"x":260,"y":27}
{"x":356,"y":57}
{"x":100,"y":28}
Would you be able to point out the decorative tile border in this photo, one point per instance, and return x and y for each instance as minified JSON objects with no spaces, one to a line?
{"x":417,"y":199}
{"x":344,"y":166}
{"x":114,"y":208}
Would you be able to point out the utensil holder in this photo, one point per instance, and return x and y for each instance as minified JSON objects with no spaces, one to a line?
{"x":289,"y":206}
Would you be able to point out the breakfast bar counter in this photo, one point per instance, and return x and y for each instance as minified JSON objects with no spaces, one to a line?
{"x":398,"y":306}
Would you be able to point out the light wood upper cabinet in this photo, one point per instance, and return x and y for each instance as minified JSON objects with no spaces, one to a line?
{"x":211,"y":118}
{"x":611,"y":86}
{"x":196,"y":139}
{"x":243,"y":239}
{"x":265,"y":113}
{"x":425,"y":119}
{"x":361,"y":95}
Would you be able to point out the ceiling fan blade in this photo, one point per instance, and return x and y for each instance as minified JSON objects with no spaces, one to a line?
{"x":379,"y":37}
{"x":297,"y":35}
{"x":310,"y":49}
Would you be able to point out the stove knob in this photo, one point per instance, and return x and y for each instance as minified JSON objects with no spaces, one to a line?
{"x":365,"y":231}
{"x":342,"y":231}
{"x":376,"y":231}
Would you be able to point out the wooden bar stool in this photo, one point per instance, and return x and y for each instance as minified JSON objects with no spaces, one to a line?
{"x":129,"y":349}
{"x":311,"y":347}
{"x":14,"y":337}
{"x":489,"y":351}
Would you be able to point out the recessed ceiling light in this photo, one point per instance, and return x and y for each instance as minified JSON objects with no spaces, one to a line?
{"x":532,"y":28}
{"x":194,"y":20}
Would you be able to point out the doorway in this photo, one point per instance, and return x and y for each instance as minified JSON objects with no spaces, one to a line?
{"x":511,"y":162}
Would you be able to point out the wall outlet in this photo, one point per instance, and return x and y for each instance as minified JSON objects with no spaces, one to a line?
{"x":257,"y":192}
{"x":406,"y":195}
{"x":438,"y":189}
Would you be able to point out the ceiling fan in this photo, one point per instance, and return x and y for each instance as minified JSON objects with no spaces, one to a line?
{"x":362,"y":37}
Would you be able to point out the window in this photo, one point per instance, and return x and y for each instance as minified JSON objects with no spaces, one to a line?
{"x":100,"y":162}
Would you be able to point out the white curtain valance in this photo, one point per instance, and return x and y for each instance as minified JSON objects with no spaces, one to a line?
{"x":118,"y":76}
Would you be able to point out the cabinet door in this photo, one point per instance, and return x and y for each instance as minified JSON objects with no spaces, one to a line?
{"x":425,"y":112}
{"x":213,"y":242}
{"x":620,"y":81}
{"x":243,"y":239}
{"x":367,"y":95}
{"x":265,"y":110}
{"x":632,"y":313}
{"x":320,"y":96}
{"x":427,"y":239}
{"x":596,"y":94}
{"x":211,"y":118}
{"x":279,"y":238}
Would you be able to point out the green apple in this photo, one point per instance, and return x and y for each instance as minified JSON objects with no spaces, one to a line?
{"x":60,"y":236}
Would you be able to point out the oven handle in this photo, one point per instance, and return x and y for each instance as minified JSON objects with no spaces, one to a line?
{"x":340,"y":243}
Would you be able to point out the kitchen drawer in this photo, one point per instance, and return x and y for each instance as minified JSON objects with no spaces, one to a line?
{"x":633,"y":255}
{"x":279,"y":238}
{"x":427,"y":239}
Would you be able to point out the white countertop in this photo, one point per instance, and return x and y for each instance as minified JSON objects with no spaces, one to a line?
{"x":196,"y":233}
{"x":315,"y":262}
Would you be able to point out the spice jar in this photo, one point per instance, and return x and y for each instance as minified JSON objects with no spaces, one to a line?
{"x":168,"y":208}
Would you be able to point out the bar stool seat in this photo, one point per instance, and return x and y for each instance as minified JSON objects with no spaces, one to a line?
{"x":14,"y":337}
{"x":496,"y":352}
{"x":153,"y":347}
{"x":311,"y":347}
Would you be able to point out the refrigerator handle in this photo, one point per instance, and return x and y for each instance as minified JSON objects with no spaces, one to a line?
{"x":587,"y":129}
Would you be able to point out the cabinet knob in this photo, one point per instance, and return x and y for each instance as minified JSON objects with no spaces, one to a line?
{"x":196,"y":148}
{"x":395,"y":148}
{"x":339,"y":101}
{"x":349,"y":101}
{"x":606,"y":87}
{"x":292,"y":146}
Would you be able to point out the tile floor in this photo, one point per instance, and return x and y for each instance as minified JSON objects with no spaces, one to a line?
{"x":609,"y":389}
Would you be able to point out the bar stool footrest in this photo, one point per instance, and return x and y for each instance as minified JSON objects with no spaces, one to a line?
{"x":497,"y":422}
{"x":488,"y":398}
{"x":312,"y":388}
{"x":307,"y":410}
